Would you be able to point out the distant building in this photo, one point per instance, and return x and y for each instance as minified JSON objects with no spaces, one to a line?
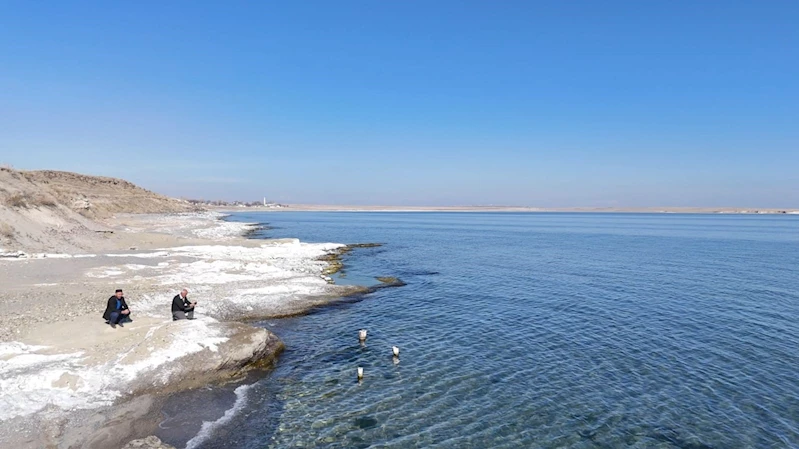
{"x":236,"y":203}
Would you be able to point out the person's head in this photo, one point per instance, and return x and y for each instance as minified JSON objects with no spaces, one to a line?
{"x":118,"y":293}
{"x":184,"y":293}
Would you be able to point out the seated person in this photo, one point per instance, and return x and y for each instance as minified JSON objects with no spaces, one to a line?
{"x":117,"y":310}
{"x":182,"y":308}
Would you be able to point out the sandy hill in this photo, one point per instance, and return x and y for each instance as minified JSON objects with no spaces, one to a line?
{"x":53,"y":211}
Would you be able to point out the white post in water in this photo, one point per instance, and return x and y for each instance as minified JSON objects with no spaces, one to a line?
{"x":360,"y":373}
{"x":362,"y":335}
{"x":395,"y":350}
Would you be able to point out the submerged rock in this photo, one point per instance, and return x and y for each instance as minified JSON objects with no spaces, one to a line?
{"x":365,"y":422}
{"x":390,"y":281}
{"x":364,"y":245}
{"x":333,"y":258}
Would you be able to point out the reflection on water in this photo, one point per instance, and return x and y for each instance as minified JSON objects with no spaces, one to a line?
{"x":537,"y":330}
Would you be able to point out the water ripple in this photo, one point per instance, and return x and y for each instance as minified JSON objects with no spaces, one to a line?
{"x":544,"y":331}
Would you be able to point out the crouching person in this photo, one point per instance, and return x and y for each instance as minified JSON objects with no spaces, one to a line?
{"x":182,"y":308}
{"x":117,"y":311}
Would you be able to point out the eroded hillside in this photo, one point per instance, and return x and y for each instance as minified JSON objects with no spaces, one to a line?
{"x":57,"y":211}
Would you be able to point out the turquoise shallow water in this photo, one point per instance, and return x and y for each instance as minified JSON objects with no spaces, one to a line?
{"x":531,"y":330}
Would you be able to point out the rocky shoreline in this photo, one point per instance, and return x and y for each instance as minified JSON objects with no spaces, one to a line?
{"x":68,"y":380}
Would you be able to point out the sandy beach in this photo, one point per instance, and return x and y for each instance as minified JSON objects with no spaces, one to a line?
{"x":70,"y":380}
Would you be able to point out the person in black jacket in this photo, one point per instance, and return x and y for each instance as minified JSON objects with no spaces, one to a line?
{"x":182,"y":308}
{"x":117,"y":310}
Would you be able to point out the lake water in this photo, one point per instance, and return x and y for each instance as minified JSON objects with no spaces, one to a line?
{"x":530,"y":330}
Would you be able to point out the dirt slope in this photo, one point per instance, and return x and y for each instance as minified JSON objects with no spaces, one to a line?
{"x":100,"y":197}
{"x":53,"y":211}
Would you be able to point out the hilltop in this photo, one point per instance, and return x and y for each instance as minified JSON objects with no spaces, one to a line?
{"x":55,"y":211}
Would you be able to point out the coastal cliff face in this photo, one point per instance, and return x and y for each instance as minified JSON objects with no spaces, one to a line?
{"x":56,"y":211}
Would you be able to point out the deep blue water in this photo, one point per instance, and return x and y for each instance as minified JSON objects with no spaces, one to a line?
{"x":537,"y":330}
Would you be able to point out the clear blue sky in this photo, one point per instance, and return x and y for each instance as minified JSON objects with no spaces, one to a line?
{"x":580,"y":103}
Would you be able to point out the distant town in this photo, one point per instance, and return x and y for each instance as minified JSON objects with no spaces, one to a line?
{"x":222,"y":203}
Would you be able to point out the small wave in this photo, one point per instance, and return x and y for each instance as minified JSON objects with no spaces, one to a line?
{"x":209,"y":427}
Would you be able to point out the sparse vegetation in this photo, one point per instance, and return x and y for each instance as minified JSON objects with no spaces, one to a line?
{"x":18,"y":200}
{"x":6,"y":230}
{"x":22,"y":200}
{"x":45,"y":201}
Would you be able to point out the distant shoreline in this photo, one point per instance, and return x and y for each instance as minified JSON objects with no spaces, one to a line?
{"x":640,"y":210}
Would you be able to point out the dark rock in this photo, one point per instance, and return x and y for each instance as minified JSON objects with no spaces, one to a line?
{"x":365,"y":422}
